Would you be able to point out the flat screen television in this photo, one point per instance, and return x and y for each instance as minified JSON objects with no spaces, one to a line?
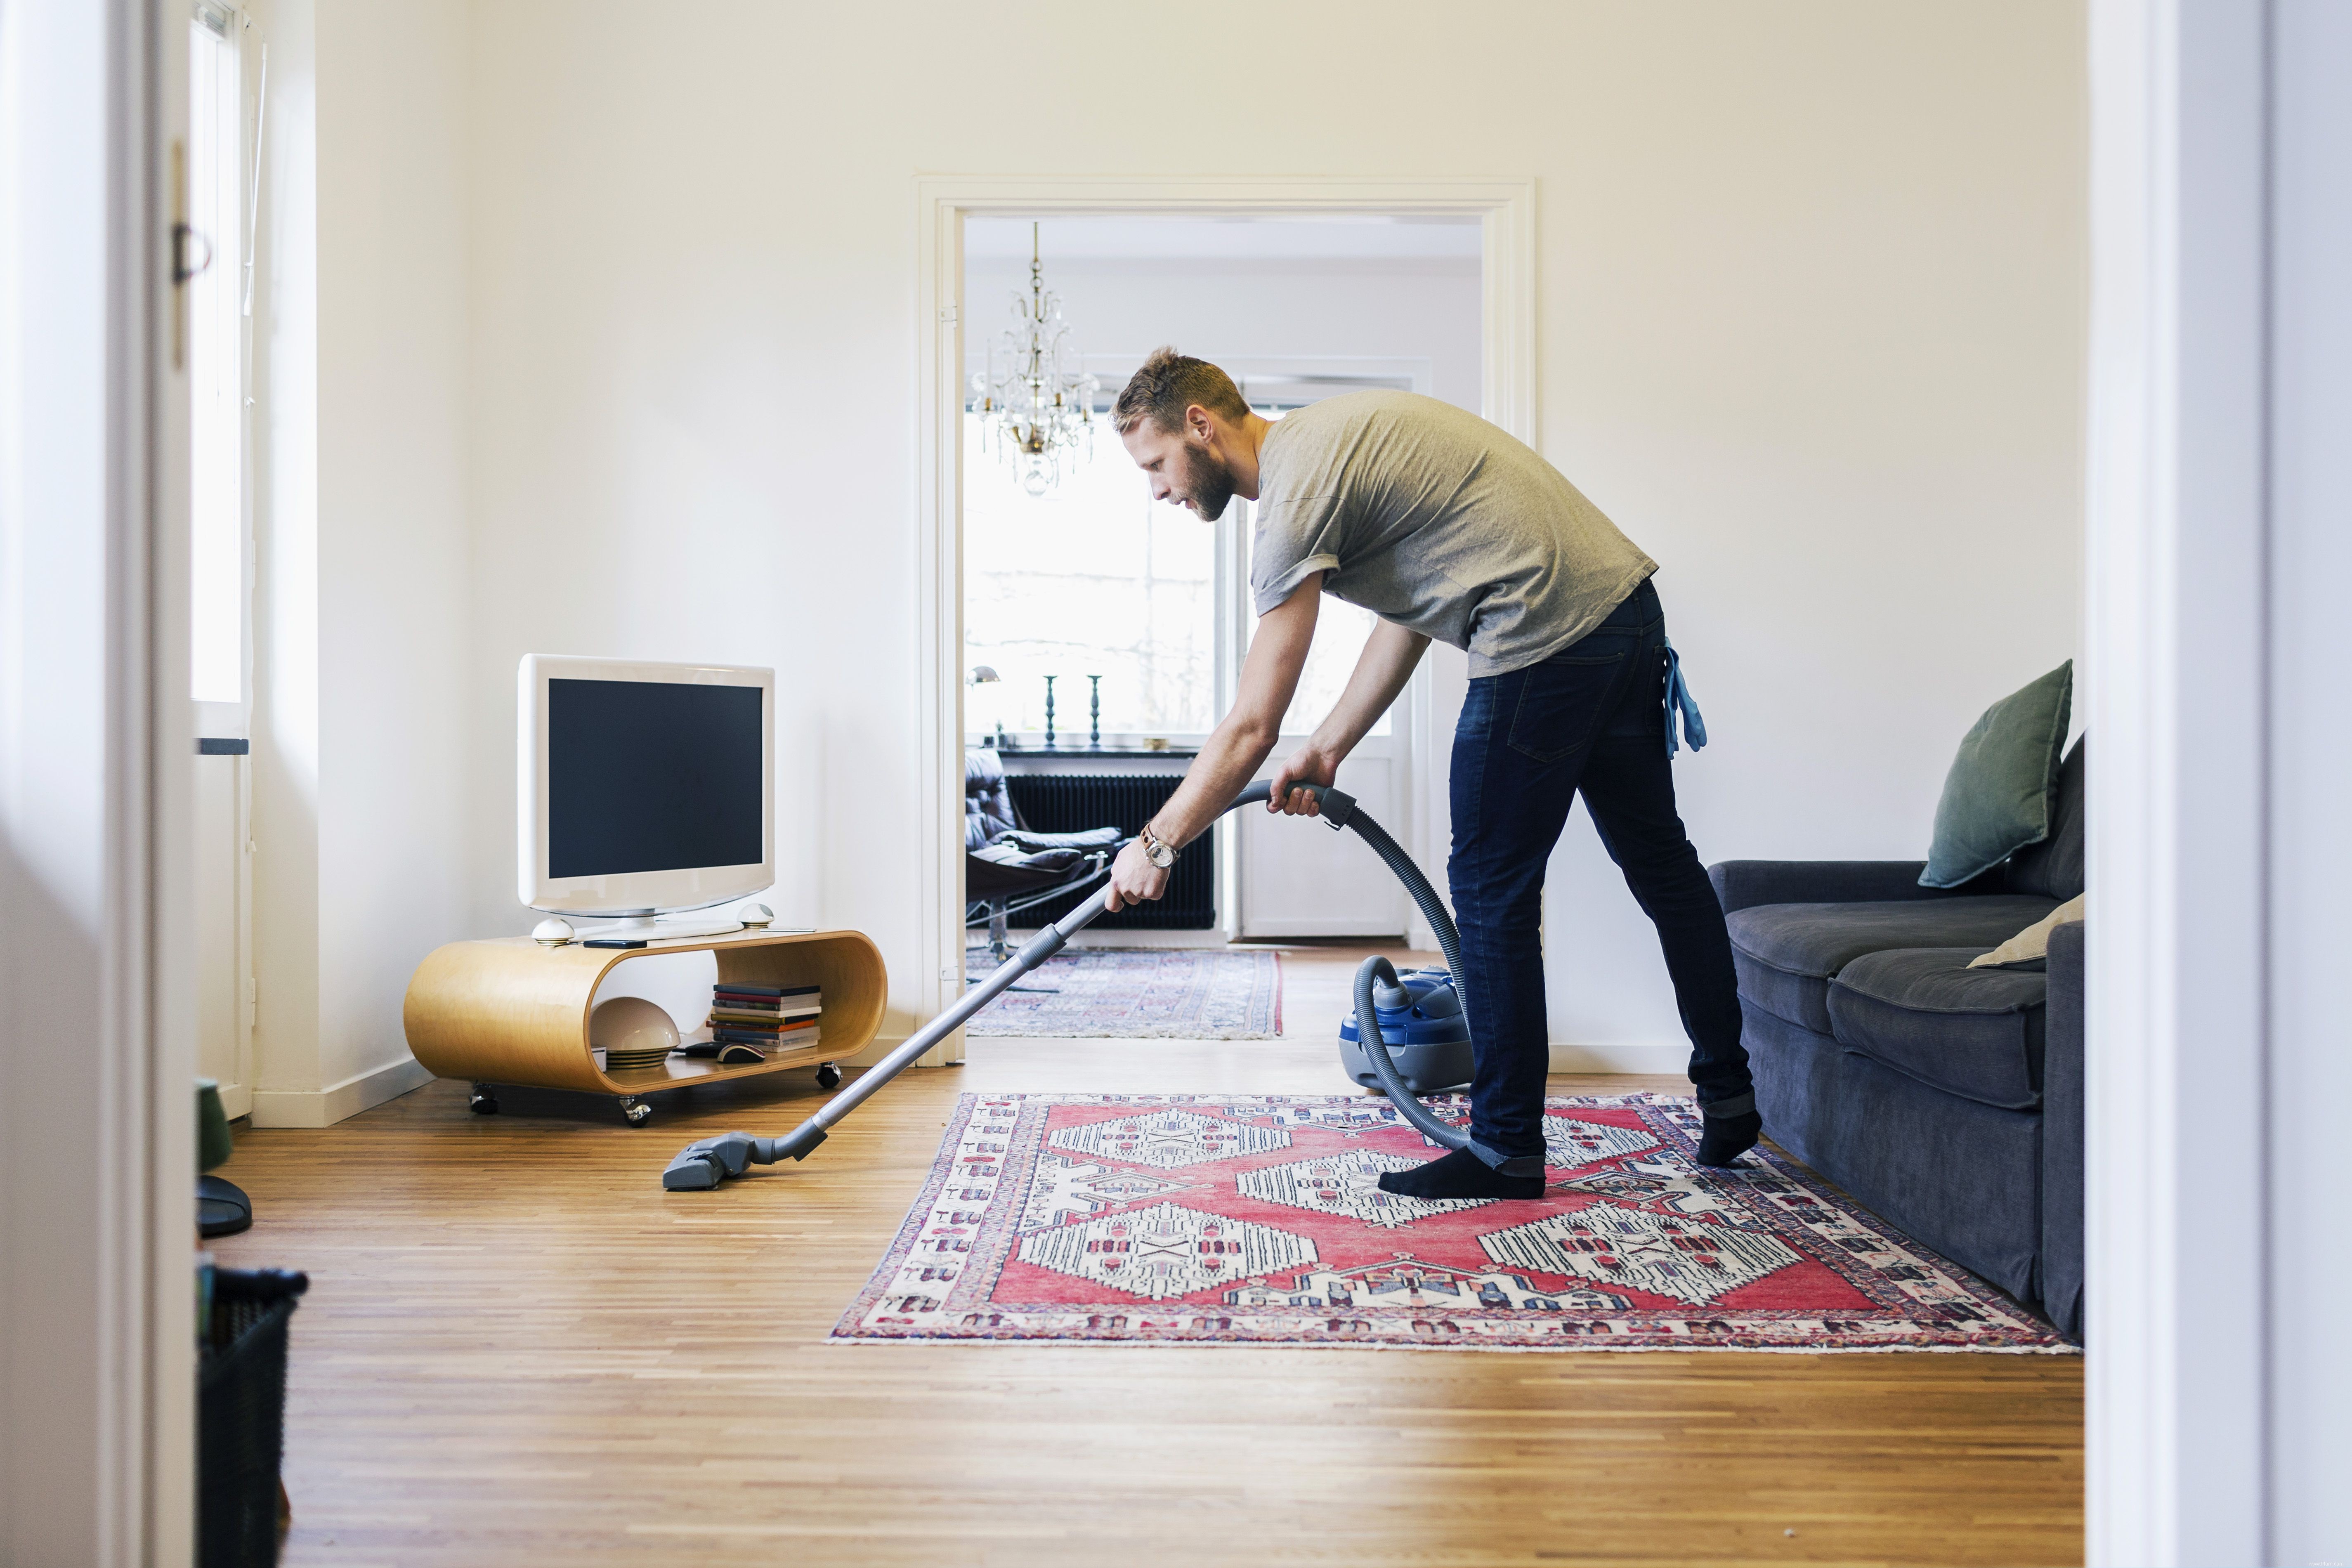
{"x":644,"y":789}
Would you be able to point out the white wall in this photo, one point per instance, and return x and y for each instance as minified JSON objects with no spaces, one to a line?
{"x":363,"y":550}
{"x":1811,"y":323}
{"x":1818,"y":349}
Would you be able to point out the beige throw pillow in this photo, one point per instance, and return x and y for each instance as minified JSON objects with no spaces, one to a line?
{"x":2034,"y":941}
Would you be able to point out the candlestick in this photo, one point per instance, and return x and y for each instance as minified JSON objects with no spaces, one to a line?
{"x":1049,"y":712}
{"x":1094,"y":714}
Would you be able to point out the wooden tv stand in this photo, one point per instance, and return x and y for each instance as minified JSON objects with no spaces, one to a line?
{"x":509,"y":1011}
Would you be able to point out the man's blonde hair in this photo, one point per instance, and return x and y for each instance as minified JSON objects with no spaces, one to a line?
{"x":1170,"y":383}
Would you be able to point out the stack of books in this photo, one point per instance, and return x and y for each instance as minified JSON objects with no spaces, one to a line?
{"x":752,"y":1022}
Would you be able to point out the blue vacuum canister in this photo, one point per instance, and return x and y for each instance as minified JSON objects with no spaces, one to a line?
{"x":1421,"y":1025}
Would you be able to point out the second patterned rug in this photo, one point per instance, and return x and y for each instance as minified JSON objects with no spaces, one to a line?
{"x":1117,"y":992}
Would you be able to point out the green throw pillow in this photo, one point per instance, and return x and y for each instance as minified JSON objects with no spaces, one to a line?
{"x":1998,"y":796}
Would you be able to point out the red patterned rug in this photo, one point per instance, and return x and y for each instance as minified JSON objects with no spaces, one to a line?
{"x":1254,"y":1219}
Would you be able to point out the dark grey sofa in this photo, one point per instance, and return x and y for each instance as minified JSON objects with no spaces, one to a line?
{"x":1944,"y":1098}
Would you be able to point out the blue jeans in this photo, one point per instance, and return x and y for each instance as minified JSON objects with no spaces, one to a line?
{"x":1591,"y":718}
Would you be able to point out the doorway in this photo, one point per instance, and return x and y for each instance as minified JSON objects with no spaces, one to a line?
{"x":1104,"y":632}
{"x":970,"y":227}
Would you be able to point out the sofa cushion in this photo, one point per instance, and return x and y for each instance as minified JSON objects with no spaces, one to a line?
{"x":1788,"y":953}
{"x":2000,"y":794}
{"x":1922,"y":1010}
{"x":2030,"y":948}
{"x":2053,"y":867}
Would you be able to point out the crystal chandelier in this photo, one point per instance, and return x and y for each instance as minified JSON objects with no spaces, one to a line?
{"x":1042,"y":404}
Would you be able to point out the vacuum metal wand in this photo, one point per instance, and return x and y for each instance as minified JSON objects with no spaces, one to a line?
{"x":704,"y":1165}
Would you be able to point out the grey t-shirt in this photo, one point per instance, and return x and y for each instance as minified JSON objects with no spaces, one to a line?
{"x":1428,"y":516}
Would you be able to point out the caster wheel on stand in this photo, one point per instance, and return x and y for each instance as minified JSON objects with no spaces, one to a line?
{"x":636,"y":1111}
{"x":828,"y":1074}
{"x":485,"y":1100}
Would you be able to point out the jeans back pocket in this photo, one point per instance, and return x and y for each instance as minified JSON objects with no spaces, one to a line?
{"x":1565,"y":698}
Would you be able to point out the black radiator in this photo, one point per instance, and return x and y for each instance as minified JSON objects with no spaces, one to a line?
{"x":1072,"y":802}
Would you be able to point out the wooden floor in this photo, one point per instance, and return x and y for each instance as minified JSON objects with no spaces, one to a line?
{"x":518,"y":1350}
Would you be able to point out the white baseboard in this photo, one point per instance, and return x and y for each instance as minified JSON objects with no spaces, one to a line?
{"x":325,"y":1107}
{"x":1671,"y":1059}
{"x":883,"y":1045}
{"x":879,"y":1047}
{"x":1265,"y":930}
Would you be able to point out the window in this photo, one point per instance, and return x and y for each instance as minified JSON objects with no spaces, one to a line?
{"x":1094,"y":577}
{"x":216,"y":302}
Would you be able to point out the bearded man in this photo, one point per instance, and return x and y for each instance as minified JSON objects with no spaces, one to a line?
{"x":1444,"y":526}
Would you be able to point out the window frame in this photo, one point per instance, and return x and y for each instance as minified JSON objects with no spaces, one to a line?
{"x":225,"y":218}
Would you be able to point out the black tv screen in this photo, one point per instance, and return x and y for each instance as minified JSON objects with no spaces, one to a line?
{"x":646,"y":775}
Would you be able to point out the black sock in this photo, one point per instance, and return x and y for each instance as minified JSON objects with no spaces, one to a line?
{"x":1727,"y":1138}
{"x":1460,"y":1174}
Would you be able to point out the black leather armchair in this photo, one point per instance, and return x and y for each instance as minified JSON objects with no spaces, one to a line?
{"x":1008,"y":868}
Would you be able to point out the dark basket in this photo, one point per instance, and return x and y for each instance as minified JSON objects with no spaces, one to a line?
{"x":241,"y":1416}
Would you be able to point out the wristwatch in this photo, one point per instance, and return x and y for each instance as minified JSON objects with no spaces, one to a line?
{"x":1154,"y":850}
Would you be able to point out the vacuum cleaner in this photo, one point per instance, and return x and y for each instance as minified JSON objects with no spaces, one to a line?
{"x":1422,"y":1010}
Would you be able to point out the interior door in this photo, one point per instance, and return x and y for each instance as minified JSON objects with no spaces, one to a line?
{"x":1300,"y":878}
{"x":1290,"y":877}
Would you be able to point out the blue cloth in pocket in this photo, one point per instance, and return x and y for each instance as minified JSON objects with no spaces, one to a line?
{"x":1679,"y":701}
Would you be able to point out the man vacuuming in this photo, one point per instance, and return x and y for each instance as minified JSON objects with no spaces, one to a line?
{"x":1446,"y":527}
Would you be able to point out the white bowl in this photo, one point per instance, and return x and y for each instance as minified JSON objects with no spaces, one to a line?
{"x":628,"y":1024}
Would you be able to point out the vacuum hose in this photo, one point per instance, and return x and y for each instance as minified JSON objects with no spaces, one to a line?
{"x":704,"y":1165}
{"x":1340,"y":810}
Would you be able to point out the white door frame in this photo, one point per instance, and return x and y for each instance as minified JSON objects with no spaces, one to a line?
{"x":2172,"y":688}
{"x":2221,"y":384}
{"x":1506,"y":210}
{"x":97,"y":1143}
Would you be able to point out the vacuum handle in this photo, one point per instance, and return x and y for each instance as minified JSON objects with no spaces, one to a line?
{"x":1335,"y":805}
